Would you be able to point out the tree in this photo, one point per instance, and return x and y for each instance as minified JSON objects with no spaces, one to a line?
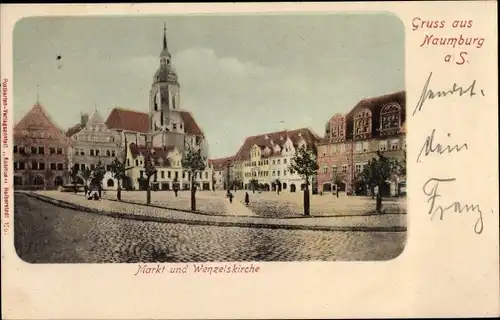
{"x":98,"y":174}
{"x":149,"y":171}
{"x":193,"y":162}
{"x":377,"y":172}
{"x":118,"y":171}
{"x":73,"y":174}
{"x":304,"y":163}
{"x":254,"y":184}
{"x":86,"y":174}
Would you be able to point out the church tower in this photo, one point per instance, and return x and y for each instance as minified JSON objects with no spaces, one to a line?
{"x":166,"y":127}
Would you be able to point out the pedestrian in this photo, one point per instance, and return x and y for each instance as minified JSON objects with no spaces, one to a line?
{"x":247,"y":198}
{"x":230,"y":197}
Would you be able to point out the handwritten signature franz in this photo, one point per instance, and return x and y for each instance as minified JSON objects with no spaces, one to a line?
{"x":430,"y":94}
{"x":430,"y":189}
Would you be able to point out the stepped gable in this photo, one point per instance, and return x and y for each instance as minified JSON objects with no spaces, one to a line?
{"x":307,"y":134}
{"x":155,"y":153}
{"x":135,"y":121}
{"x":38,"y":119}
{"x":375,"y":105}
{"x":130,"y":120}
{"x":220,"y":163}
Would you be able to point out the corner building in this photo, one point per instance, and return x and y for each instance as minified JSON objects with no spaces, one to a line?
{"x":352,"y":139}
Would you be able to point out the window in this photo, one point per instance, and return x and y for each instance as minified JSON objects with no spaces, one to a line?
{"x":344,"y":168}
{"x":162,"y":174}
{"x":21,"y":149}
{"x":60,"y":166}
{"x":394,"y":144}
{"x":278,"y":161}
{"x":34,"y":165}
{"x":15,"y":149}
{"x":137,"y":162}
{"x":325,"y":169}
{"x":52,"y":166}
{"x":174,"y":126}
{"x":358,"y":168}
{"x":82,"y":152}
{"x":284,"y":172}
{"x":77,"y":166}
{"x":92,"y":166}
{"x":382,"y":145}
{"x":362,"y":123}
{"x":390,"y":117}
{"x":176,"y":176}
{"x":33,"y":150}
{"x":92,"y":152}
{"x":83,"y":166}
{"x":41,"y":166}
{"x":52,"y":150}
{"x":97,"y":152}
{"x":206,"y":175}
{"x":108,"y":153}
{"x":113,"y":154}
{"x":334,"y":169}
{"x":292,"y":172}
{"x":59,"y":151}
{"x":40,"y":150}
{"x":183,"y":174}
{"x":274,"y":173}
{"x":22,"y":165}
{"x":169,"y":174}
{"x":274,"y":161}
{"x":278,"y":173}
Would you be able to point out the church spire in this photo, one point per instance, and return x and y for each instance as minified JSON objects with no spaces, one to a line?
{"x":165,"y":37}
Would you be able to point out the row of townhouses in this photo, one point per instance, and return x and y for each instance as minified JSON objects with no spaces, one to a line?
{"x":349,"y":142}
{"x":44,"y":154}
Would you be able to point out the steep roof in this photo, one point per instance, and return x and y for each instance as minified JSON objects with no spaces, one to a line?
{"x":125,"y":119}
{"x":74,"y":129}
{"x":131,"y":120}
{"x":220,"y":163}
{"x":376,"y":103}
{"x":38,"y":118}
{"x":154,"y":153}
{"x":276,"y":137}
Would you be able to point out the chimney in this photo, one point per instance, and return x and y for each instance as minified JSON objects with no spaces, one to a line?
{"x":84,"y":118}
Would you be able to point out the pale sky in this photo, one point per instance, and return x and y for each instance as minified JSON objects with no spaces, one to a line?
{"x":239,"y":75}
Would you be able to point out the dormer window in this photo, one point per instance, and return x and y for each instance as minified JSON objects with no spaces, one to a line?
{"x":362,"y":123}
{"x":390,"y":117}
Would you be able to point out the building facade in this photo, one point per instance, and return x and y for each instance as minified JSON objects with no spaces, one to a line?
{"x":91,"y":142}
{"x":40,"y":152}
{"x":170,"y":173}
{"x":352,"y":139}
{"x":265,"y":159}
{"x":223,"y":173}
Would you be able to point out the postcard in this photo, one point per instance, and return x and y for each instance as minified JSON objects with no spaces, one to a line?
{"x":250,"y":160}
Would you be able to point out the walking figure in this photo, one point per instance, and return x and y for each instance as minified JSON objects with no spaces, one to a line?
{"x":247,"y":198}
{"x":230,"y":197}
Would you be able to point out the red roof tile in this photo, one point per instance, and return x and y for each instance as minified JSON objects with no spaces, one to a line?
{"x":38,"y":119}
{"x":124,"y":119}
{"x":309,"y":136}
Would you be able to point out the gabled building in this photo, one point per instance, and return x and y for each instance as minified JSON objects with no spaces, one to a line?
{"x":352,"y":139}
{"x":266,"y":158}
{"x":168,"y":163}
{"x":40,"y":151}
{"x":91,"y":142}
